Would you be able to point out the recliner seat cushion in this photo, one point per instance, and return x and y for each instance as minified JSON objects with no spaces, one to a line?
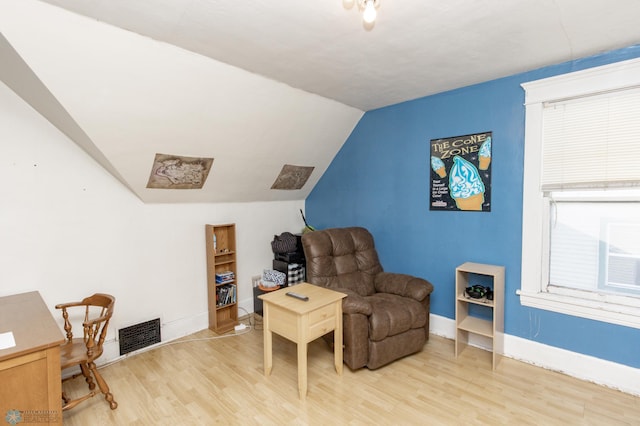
{"x":392,"y":314}
{"x":383,"y":352}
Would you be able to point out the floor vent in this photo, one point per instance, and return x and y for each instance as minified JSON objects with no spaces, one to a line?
{"x":139,"y":336}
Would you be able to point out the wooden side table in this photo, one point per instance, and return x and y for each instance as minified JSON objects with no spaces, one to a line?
{"x":302,"y":322}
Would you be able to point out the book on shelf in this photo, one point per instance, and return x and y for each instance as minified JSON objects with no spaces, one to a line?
{"x":224,"y":277}
{"x":226,"y":295}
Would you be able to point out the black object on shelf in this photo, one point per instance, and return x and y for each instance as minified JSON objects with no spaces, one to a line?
{"x":293,"y":257}
{"x":292,"y":264}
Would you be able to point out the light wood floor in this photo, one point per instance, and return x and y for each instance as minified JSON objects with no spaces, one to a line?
{"x":221,"y":381}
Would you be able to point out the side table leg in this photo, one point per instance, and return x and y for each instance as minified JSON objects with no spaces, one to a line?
{"x":268,"y":341}
{"x":302,"y":370}
{"x":337,"y":339}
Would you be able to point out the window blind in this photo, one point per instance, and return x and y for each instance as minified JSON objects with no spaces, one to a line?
{"x":592,"y":142}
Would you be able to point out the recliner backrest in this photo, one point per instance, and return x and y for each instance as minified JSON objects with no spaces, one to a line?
{"x":342,"y":258}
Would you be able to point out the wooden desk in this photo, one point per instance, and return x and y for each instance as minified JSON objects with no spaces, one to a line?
{"x":302,"y":322}
{"x":30,"y":374}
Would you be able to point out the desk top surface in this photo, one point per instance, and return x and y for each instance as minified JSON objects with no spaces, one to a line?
{"x":33,"y":326}
{"x":318,"y":297}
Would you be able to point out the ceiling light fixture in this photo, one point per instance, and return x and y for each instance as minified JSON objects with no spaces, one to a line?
{"x":369,"y":10}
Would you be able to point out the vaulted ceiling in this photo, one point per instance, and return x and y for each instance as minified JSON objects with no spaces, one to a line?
{"x":258,"y":84}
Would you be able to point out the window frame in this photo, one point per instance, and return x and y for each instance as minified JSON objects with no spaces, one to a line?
{"x":615,"y":309}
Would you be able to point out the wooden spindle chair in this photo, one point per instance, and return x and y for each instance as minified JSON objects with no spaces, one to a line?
{"x":83,"y":352}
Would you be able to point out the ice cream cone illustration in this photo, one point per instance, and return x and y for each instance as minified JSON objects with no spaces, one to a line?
{"x":465,"y":185}
{"x":473,"y":202}
{"x":438,"y":166}
{"x":485,"y":154}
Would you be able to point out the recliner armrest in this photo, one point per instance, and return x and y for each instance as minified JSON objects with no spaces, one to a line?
{"x":403,"y":285}
{"x":354,"y":303}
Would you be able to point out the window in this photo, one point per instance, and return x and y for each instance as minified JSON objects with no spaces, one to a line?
{"x":621,"y":258}
{"x":594,"y":245}
{"x":581,"y":194}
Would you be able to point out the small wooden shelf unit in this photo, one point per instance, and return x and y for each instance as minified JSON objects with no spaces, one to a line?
{"x":221,"y":261}
{"x":467,"y":324}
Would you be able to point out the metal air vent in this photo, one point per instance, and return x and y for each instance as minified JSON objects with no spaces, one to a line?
{"x":139,"y":336}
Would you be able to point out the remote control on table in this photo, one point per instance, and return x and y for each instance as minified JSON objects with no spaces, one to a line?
{"x":297,"y":295}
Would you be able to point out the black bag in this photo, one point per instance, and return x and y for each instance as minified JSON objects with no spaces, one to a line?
{"x":284,"y":243}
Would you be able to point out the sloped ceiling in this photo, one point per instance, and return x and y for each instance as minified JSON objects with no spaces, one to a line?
{"x":256,"y":84}
{"x":131,"y":97}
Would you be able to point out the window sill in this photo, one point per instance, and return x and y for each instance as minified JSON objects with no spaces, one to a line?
{"x":628,"y":316}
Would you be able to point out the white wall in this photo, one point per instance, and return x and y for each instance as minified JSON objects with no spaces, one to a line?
{"x":68,"y":229}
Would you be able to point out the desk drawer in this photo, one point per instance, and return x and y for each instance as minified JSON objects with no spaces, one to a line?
{"x":321,"y":314}
{"x":321,"y":328}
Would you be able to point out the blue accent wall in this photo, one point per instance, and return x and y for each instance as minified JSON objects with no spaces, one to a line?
{"x":380,"y":180}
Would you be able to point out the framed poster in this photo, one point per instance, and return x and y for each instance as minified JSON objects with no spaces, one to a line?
{"x":461,"y":173}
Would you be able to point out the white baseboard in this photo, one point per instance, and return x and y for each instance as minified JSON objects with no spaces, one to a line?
{"x":584,"y":367}
{"x":245,"y":307}
{"x":169,"y":331}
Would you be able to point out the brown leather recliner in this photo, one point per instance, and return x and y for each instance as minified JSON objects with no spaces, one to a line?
{"x":385,"y":315}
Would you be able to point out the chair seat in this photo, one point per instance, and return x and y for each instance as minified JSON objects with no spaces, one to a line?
{"x":392,"y":314}
{"x":75,"y":352}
